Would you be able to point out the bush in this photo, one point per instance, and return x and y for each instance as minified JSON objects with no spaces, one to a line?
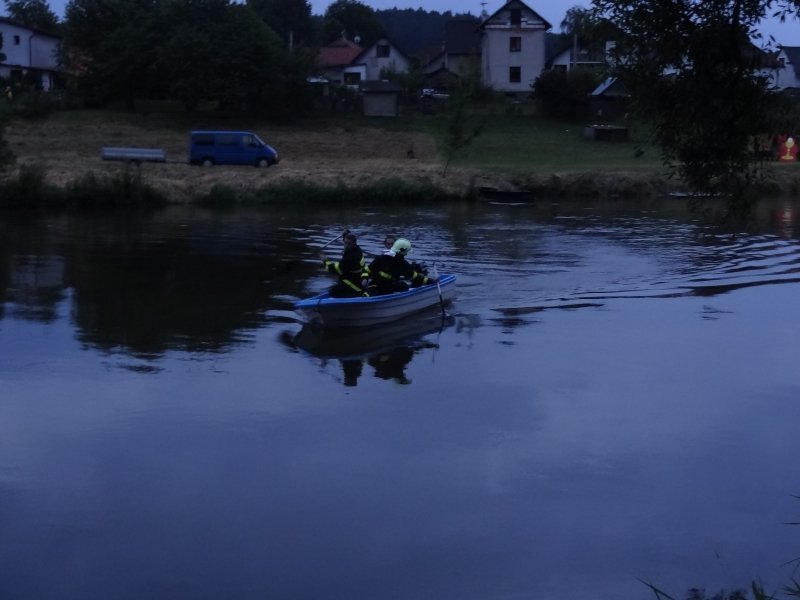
{"x":125,"y":189}
{"x":389,"y":191}
{"x":565,"y":94}
{"x":28,"y":189}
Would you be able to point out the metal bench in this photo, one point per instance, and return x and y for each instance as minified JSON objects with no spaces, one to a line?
{"x":135,"y":155}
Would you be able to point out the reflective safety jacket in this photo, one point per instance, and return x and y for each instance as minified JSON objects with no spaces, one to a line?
{"x":386,"y":269}
{"x":351,"y":268}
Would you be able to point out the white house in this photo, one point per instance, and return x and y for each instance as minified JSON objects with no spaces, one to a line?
{"x":512,"y":47}
{"x":381,"y":55}
{"x":28,"y":51}
{"x":787,"y":72}
{"x":576,"y":56}
{"x":348,"y":63}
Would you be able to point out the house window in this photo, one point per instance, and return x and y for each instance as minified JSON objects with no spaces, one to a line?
{"x":514,"y":74}
{"x":516,"y":16}
{"x":16,"y":40}
{"x":382,"y":51}
{"x":515,"y":44}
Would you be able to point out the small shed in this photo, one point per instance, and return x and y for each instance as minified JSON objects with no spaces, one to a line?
{"x":610,"y":99}
{"x":380,"y":98}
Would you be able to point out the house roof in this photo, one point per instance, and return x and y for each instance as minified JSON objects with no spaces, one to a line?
{"x":610,"y":87}
{"x":517,"y":4}
{"x":793,"y":54}
{"x":383,"y":39}
{"x":36,"y":30}
{"x":340,"y":53}
{"x":462,"y":36}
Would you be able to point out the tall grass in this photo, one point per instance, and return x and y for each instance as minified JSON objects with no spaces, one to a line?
{"x":757,"y":590}
{"x":29,"y":189}
{"x":387,"y":192}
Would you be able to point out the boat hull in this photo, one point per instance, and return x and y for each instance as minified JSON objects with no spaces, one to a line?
{"x":325,"y":311}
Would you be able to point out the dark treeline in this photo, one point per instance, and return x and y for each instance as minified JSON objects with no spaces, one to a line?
{"x":254,"y":56}
{"x":416,"y":31}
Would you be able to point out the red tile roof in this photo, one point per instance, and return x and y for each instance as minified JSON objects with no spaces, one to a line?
{"x":339,"y":53}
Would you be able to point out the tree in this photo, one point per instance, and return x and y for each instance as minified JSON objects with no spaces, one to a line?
{"x":583,"y":25}
{"x":693,"y":71}
{"x":242,"y":71}
{"x":290,"y":19}
{"x":33,"y":13}
{"x":460,"y":126}
{"x":565,"y":94}
{"x":579,"y":21}
{"x":5,"y":154}
{"x":112,"y":45}
{"x":352,"y":19}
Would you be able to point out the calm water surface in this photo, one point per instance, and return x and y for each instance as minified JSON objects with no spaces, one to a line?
{"x":612,"y":398}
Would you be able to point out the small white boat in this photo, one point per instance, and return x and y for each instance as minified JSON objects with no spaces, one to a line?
{"x":325,"y":311}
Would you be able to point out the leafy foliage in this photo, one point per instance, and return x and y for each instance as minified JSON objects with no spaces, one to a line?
{"x":756,"y":588}
{"x":290,"y":19}
{"x":565,"y":94}
{"x":234,"y":74}
{"x":33,"y":13}
{"x":415,"y":30}
{"x":351,"y":18}
{"x":29,"y":189}
{"x":113,"y":47}
{"x":693,"y":71}
{"x":460,"y":129}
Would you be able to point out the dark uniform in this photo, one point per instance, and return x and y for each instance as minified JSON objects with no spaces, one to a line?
{"x":387,"y":273}
{"x":350,"y":269}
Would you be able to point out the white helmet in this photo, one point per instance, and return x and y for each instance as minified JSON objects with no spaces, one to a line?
{"x":402,"y":246}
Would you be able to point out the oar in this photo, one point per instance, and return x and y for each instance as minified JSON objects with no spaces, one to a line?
{"x":334,"y":239}
{"x":439,"y":287}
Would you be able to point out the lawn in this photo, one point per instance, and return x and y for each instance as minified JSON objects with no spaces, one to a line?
{"x":529,"y":144}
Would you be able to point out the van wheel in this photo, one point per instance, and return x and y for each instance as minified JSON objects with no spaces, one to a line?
{"x":207,"y":162}
{"x":262,"y":163}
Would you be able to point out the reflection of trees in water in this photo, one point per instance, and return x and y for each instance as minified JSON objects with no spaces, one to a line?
{"x":152,"y":297}
{"x":31,"y":272}
{"x":142,"y":288}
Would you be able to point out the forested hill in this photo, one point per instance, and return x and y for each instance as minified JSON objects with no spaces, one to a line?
{"x":414,"y":30}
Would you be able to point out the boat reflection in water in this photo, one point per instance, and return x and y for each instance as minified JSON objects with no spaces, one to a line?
{"x":387,"y":348}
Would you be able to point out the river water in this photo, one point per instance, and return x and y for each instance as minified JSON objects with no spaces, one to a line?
{"x":613,"y":398}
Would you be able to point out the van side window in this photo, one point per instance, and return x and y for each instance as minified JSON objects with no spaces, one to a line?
{"x":227,"y":140}
{"x":203,"y":140}
{"x":249,"y":140}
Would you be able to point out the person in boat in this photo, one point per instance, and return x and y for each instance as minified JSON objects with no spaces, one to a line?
{"x":391,"y":272}
{"x":350,"y":269}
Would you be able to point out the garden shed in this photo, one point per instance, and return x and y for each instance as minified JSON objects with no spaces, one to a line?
{"x":380,"y":98}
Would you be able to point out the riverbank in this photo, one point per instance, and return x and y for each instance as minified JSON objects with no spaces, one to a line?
{"x":326,"y":153}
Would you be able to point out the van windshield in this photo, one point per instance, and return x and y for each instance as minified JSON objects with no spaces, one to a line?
{"x":253,"y":141}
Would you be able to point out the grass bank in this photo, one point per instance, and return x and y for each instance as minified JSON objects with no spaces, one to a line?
{"x":333,"y":157}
